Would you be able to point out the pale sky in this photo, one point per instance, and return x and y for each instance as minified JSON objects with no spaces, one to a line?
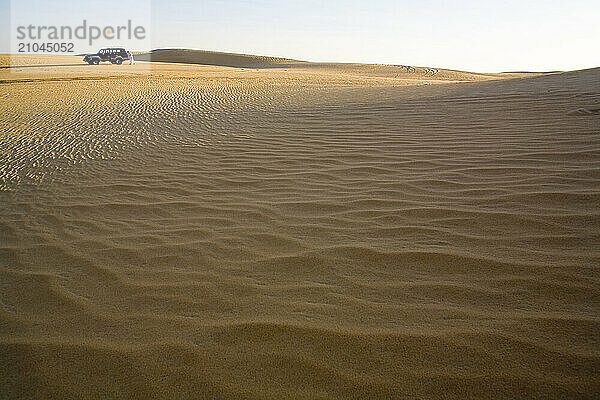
{"x":474,"y":35}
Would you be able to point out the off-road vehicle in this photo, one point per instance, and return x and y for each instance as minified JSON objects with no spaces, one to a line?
{"x":114,"y":55}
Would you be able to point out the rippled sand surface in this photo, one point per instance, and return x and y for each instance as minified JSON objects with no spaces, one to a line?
{"x":221,"y":233}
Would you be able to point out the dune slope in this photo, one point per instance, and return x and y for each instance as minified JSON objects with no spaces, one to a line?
{"x":201,"y":232}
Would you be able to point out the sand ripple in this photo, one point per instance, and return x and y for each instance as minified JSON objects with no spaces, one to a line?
{"x":253,"y":239}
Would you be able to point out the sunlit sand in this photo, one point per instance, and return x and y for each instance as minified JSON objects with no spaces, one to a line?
{"x":273,"y":229}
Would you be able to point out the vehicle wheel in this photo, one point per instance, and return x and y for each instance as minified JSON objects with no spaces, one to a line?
{"x":119,"y":61}
{"x":90,"y":62}
{"x":96,"y":61}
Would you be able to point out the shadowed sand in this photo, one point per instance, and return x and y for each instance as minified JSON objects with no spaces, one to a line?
{"x":281,"y":229}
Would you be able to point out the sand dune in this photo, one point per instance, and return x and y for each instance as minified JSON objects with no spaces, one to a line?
{"x":374,"y":70}
{"x":200,"y":231}
{"x":216,"y":58}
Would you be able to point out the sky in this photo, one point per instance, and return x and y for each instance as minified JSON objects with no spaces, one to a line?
{"x":480,"y":36}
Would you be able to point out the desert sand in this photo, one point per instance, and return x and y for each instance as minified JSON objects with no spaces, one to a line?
{"x":265,"y":228}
